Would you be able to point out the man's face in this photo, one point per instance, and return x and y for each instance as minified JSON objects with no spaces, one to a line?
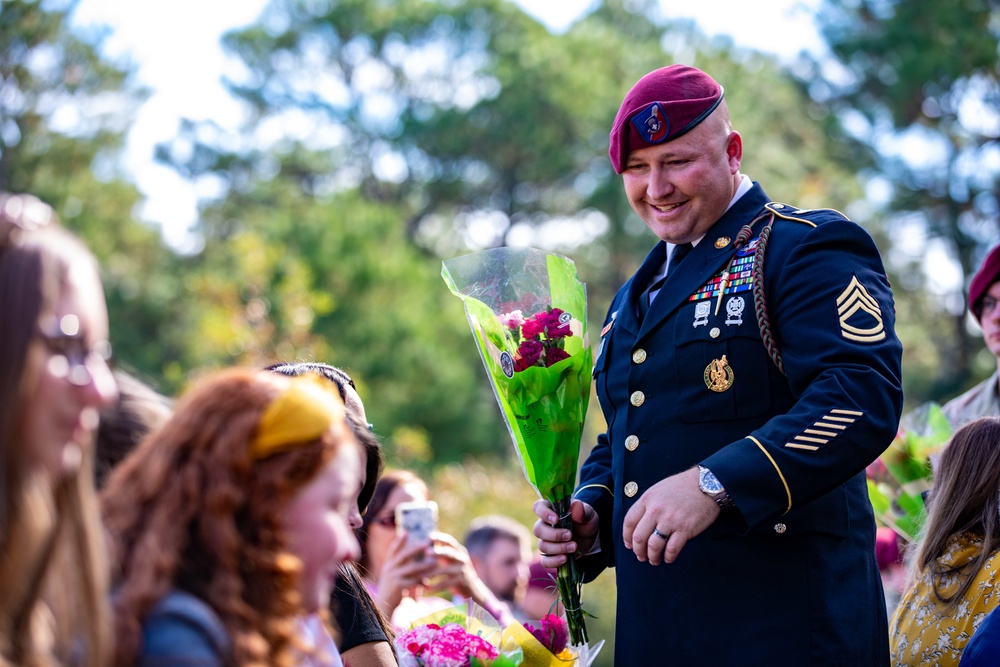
{"x":503,"y":569}
{"x":681,"y":188}
{"x":989,"y":319}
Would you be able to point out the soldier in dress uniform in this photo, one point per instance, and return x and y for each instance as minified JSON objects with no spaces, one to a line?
{"x":748,"y":373}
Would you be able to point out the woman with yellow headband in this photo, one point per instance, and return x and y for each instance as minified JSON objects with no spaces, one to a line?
{"x":229,"y":524}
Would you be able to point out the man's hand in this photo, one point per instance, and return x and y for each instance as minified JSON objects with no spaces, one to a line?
{"x":674,"y":507}
{"x":556,"y":543}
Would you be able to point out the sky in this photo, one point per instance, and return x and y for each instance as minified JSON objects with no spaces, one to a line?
{"x":176,"y":47}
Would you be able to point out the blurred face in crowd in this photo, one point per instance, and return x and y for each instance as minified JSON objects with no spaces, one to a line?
{"x":317,"y":528}
{"x":382,"y":530}
{"x":682,"y":187}
{"x":989,"y":318}
{"x":503,"y":569}
{"x":73,"y":380}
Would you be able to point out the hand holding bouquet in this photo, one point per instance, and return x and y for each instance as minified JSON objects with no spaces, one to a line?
{"x":527,"y":311}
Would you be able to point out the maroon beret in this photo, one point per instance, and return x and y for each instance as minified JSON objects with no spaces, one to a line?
{"x":988,"y":273}
{"x":662,"y":106}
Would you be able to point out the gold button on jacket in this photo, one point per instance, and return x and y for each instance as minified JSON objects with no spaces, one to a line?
{"x":632,"y":443}
{"x":780,"y":528}
{"x":637,"y":398}
{"x":631,"y":489}
{"x":638,"y":356}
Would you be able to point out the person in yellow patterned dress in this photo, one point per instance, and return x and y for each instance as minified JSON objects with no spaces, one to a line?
{"x":955,"y":582}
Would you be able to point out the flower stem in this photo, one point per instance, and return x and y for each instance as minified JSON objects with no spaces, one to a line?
{"x":569,"y":582}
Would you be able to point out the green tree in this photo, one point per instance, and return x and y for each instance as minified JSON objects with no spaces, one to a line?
{"x":64,"y":112}
{"x":911,"y":90}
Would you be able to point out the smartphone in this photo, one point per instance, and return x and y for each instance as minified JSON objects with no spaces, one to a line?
{"x":418,"y":519}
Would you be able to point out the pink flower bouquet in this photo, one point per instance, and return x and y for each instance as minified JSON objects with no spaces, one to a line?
{"x":460,"y":636}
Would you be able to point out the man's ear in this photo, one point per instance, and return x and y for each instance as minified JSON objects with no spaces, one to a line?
{"x":734,"y":151}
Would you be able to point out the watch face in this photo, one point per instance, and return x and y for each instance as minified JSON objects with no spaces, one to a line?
{"x":708,"y":482}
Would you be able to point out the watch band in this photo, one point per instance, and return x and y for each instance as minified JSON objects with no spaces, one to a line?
{"x":709,"y":484}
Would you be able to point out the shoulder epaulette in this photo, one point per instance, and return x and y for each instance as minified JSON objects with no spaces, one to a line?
{"x":787,"y":212}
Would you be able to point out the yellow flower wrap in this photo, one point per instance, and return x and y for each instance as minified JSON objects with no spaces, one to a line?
{"x":306,"y":409}
{"x":535,"y":654}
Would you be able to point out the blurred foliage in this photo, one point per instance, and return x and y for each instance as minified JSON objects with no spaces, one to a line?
{"x":910,"y":96}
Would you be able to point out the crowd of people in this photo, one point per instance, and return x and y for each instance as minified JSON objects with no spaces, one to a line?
{"x":748,"y":372}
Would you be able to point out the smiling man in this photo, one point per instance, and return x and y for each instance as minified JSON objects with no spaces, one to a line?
{"x":748,"y":372}
{"x":984,"y":303}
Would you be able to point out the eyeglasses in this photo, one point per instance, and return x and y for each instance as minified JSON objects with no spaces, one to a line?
{"x":70,"y":353}
{"x":22,"y":213}
{"x":387,"y":521}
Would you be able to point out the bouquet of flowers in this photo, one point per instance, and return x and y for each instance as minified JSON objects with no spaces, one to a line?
{"x":527,"y":310}
{"x":899,"y":478}
{"x":468,"y":636}
{"x":457,"y":637}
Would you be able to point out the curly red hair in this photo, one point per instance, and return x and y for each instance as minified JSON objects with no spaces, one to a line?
{"x":191,"y":509}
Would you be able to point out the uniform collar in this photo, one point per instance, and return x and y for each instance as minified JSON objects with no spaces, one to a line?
{"x":700,"y":265}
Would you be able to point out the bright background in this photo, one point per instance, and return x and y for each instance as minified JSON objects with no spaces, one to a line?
{"x":176,"y":47}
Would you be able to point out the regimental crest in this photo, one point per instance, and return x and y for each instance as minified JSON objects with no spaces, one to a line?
{"x":652,"y":124}
{"x":859,"y":314}
{"x":719,"y":375}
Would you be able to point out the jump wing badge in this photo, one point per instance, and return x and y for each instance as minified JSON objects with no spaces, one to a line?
{"x":859,"y":314}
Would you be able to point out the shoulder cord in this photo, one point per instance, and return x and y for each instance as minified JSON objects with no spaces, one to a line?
{"x":759,"y":301}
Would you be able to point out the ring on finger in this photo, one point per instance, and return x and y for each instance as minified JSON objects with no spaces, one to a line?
{"x":663,"y":536}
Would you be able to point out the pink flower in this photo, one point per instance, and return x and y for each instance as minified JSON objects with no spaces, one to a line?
{"x":512,"y":320}
{"x":534,"y":325}
{"x":553,"y":327}
{"x":528,"y":353}
{"x":553,"y":633}
{"x":450,"y":646}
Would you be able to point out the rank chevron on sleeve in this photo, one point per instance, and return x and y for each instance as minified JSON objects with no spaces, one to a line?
{"x":855,"y":303}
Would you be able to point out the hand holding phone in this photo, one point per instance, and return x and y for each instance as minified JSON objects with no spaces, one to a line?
{"x":418,"y":519}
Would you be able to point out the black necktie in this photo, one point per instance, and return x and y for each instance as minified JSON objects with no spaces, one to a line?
{"x":680,"y":252}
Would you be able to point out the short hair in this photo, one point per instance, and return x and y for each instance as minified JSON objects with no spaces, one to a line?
{"x":485,"y":530}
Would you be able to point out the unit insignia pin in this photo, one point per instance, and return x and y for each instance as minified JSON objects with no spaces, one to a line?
{"x":721,"y":242}
{"x":719,"y":375}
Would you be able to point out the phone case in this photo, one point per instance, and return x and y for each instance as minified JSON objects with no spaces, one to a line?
{"x":417,"y":519}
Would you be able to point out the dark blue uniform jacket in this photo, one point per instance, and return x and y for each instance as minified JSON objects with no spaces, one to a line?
{"x":789,"y":577}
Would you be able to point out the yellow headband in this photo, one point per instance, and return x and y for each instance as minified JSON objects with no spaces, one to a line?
{"x":299,"y":414}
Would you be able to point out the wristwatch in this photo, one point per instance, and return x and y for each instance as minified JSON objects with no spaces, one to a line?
{"x":710,"y":485}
